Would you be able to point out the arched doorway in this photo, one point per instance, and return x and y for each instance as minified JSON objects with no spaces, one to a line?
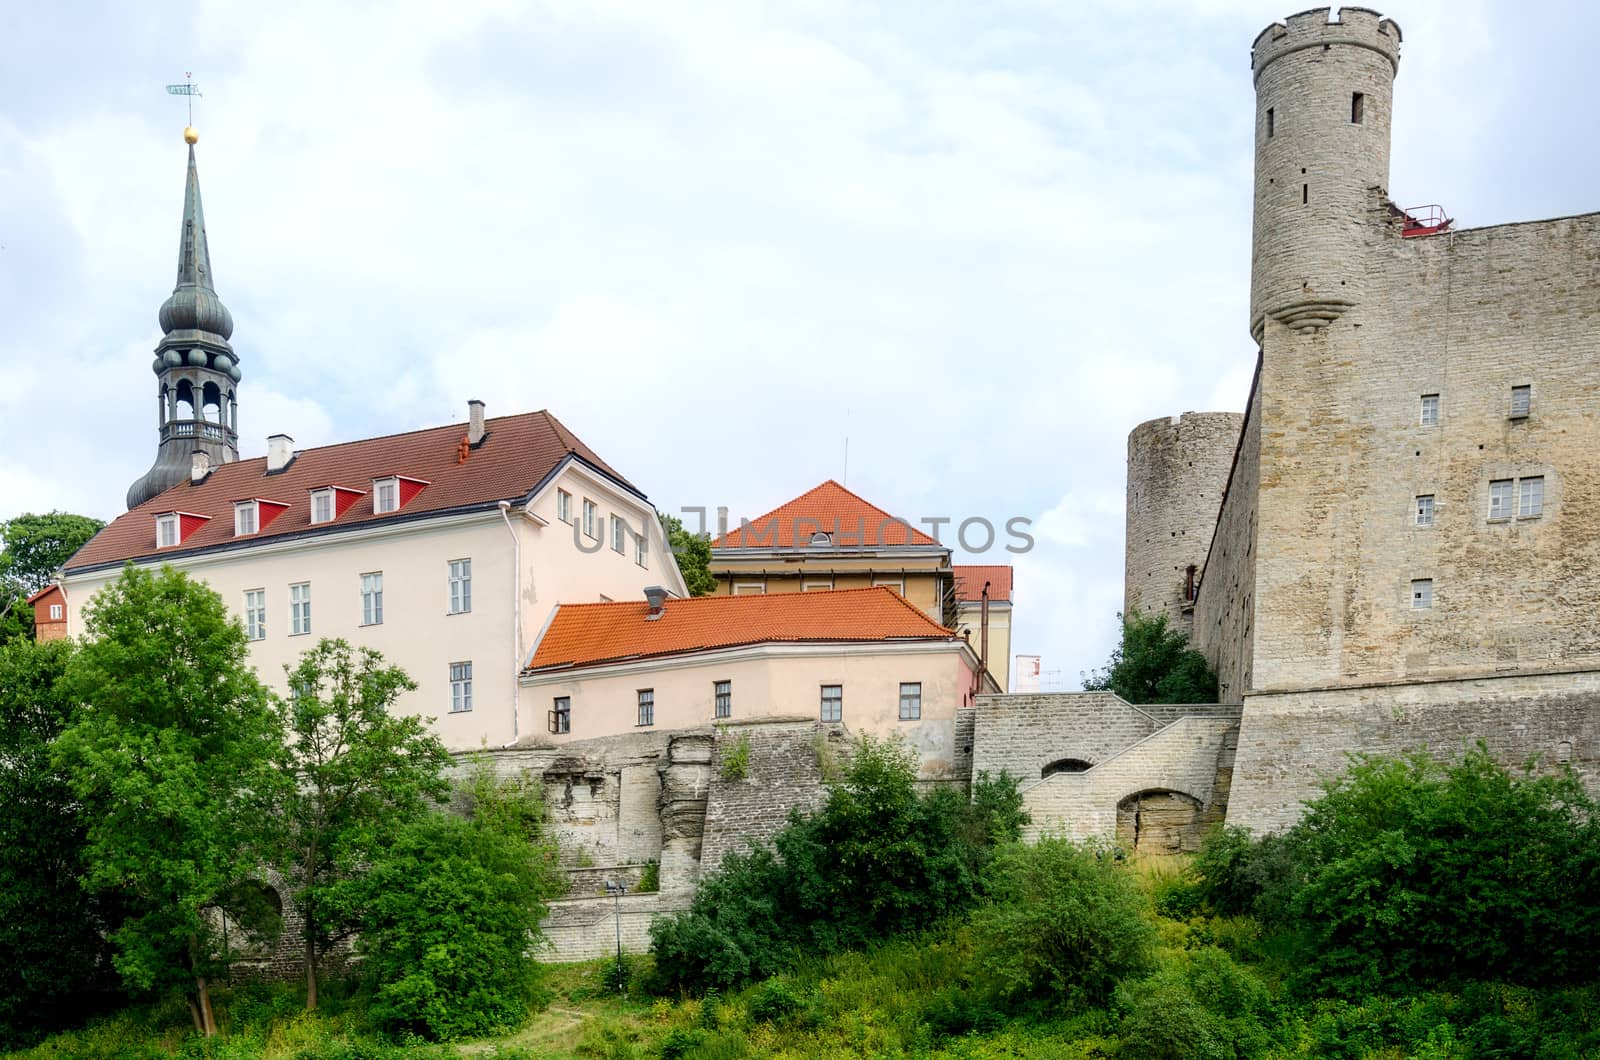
{"x":1160,"y":821}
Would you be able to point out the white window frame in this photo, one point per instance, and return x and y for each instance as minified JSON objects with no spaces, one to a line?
{"x":1521,"y":402}
{"x":460,"y":579}
{"x":897,"y":584}
{"x":647,"y":708}
{"x":383,"y":504}
{"x":814,"y":586}
{"x":749,"y":589}
{"x":563,"y":506}
{"x":167,"y":526}
{"x":911,"y":702}
{"x":836,"y":701}
{"x":1422,"y":594}
{"x":722,"y":699}
{"x":55,"y":612}
{"x":255,"y":614}
{"x":461,"y":687}
{"x":619,"y":535}
{"x":1526,"y":488}
{"x":1430,"y":411}
{"x":372,"y":598}
{"x":299,"y":609}
{"x":1502,"y":499}
{"x":246,"y":518}
{"x":1423,"y":510}
{"x":641,"y":550}
{"x":591,"y":512}
{"x":321,"y":497}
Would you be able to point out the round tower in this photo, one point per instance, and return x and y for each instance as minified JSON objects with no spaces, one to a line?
{"x":1324,"y":94}
{"x":1177,"y":471}
{"x":197,"y":372}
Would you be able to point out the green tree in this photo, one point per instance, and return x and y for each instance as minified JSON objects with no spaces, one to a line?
{"x":35,"y":547}
{"x":693,"y":552}
{"x":176,"y":757}
{"x":451,"y":912}
{"x":1154,"y":664}
{"x":1063,"y":922}
{"x":360,"y":773}
{"x":51,"y":930}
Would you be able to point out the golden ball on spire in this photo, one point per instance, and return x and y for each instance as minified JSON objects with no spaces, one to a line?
{"x":189,"y":135}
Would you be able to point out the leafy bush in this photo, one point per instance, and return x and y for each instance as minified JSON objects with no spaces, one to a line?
{"x":735,"y":763}
{"x":876,"y":860}
{"x":1063,"y":922}
{"x":1154,"y":664}
{"x":649,"y":878}
{"x":773,"y":1000}
{"x":451,"y":910}
{"x":1416,"y":874}
{"x":1200,"y":1005}
{"x":1236,"y":875}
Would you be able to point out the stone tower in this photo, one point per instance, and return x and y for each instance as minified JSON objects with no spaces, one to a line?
{"x":197,"y":372}
{"x":1177,"y":471}
{"x":1324,"y":96}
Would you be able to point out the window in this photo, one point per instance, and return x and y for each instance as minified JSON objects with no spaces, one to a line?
{"x":647,"y":706}
{"x":832,"y":702}
{"x":55,"y":612}
{"x":1500,"y":499}
{"x":1425,"y":510}
{"x":897,"y":584}
{"x":723,"y":694}
{"x":1521,"y":401}
{"x":1430,"y":410}
{"x":618,"y":534}
{"x":910,"y":701}
{"x":815,"y":587}
{"x":561,"y":715}
{"x":300,"y":608}
{"x":564,"y":506}
{"x":322,"y":506}
{"x":748,"y":589}
{"x":372,"y":599}
{"x":386,"y":495}
{"x":589,"y":511}
{"x":244,"y":518}
{"x":1530,"y":497}
{"x":1270,"y":122}
{"x":1422,"y":594}
{"x":166,"y":531}
{"x":641,"y":549}
{"x":460,"y":687}
{"x":1358,"y":108}
{"x":460,"y":586}
{"x":255,"y":614}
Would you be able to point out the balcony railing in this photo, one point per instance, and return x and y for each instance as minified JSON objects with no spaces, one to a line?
{"x":201,"y":429}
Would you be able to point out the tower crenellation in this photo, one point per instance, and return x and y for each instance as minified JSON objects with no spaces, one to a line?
{"x":1324,"y":101}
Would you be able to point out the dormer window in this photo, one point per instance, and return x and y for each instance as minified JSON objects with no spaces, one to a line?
{"x":386,"y":495}
{"x":322,"y":506}
{"x":167,"y":534}
{"x":245,"y":518}
{"x":821,"y":539}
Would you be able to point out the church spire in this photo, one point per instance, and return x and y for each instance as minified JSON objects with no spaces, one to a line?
{"x":196,"y":369}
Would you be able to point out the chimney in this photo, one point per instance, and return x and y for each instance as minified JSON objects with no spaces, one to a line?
{"x":280,"y":450}
{"x":474,"y":421}
{"x":656,"y":596}
{"x":199,"y":465}
{"x":722,"y":520}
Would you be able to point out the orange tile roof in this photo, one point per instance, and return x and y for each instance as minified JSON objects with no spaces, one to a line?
{"x":832,"y":509}
{"x":593,"y":634}
{"x":516,"y":455}
{"x":970,"y":579}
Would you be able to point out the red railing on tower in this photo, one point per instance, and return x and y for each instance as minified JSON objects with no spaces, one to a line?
{"x":1425,"y":220}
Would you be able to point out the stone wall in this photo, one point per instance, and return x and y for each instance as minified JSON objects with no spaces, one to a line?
{"x":1289,"y":743}
{"x":1177,"y":469}
{"x":582,"y":929}
{"x":1225,"y":607}
{"x":784,"y":772}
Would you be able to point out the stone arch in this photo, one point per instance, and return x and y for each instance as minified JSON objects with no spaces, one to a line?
{"x":1065,"y":765}
{"x":1160,"y":821}
{"x":185,"y":404}
{"x":211,"y":398}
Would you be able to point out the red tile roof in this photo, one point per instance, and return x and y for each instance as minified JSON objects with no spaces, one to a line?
{"x":516,"y":455}
{"x":970,"y":579}
{"x":592,"y":634}
{"x":831,"y":509}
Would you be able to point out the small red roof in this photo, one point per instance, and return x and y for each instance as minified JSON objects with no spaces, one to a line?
{"x":592,"y":634}
{"x":829,"y":509}
{"x":517,"y":454}
{"x":46,"y":591}
{"x":970,"y":579}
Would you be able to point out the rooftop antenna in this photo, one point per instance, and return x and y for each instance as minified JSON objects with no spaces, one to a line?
{"x":189,"y":90}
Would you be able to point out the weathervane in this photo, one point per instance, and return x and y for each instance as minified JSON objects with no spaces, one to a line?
{"x":190,"y":90}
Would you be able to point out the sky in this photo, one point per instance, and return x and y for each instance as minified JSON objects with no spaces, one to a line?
{"x":950,"y":253}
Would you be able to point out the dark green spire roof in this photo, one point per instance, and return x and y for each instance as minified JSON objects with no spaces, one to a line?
{"x":194,"y":305}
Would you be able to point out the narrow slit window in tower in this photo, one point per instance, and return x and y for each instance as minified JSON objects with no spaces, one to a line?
{"x":1358,"y":108}
{"x":1305,"y":194}
{"x":1269,"y":122}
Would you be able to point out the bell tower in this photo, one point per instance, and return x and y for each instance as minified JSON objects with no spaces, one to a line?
{"x":197,"y":372}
